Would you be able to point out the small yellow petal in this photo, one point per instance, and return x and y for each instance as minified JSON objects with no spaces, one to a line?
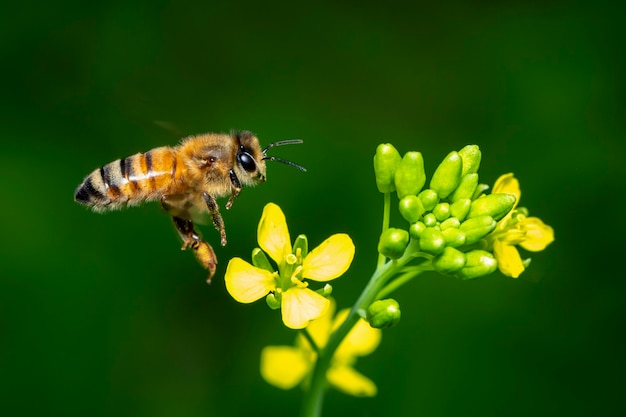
{"x":330,"y":259}
{"x":362,"y":340}
{"x":538,"y":234}
{"x":351,"y":382}
{"x":247,"y":283}
{"x":508,"y":184}
{"x":509,"y":261}
{"x":273,"y":234}
{"x":284,"y":366}
{"x":301,"y":305}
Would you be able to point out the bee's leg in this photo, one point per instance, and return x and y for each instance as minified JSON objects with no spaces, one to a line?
{"x":187,"y":233}
{"x":236,"y":188}
{"x":201,"y":249}
{"x":218,"y":222}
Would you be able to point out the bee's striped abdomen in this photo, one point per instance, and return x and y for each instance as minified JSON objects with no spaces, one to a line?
{"x":132,"y":180}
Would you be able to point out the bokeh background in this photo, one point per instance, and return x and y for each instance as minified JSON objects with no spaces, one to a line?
{"x":103,"y":315}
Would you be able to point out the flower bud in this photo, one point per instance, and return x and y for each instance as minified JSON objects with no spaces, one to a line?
{"x":273,"y":301}
{"x":411,"y":208}
{"x":450,"y":222}
{"x":416,"y":229}
{"x":410,"y":176}
{"x":447,"y":175}
{"x":454,"y":237}
{"x":466,"y":188}
{"x":480,"y":190}
{"x":301,"y":244}
{"x":429,"y":199}
{"x":386,"y":161}
{"x":259,"y":259}
{"x":494,"y":205}
{"x":460,"y":208}
{"x":325,"y":291}
{"x":450,"y":260}
{"x":478,"y":263}
{"x":383,"y":313}
{"x":442,"y":211}
{"x":471,"y":159}
{"x":477,"y":227}
{"x":429,"y":220}
{"x":432,"y":241}
{"x":393,"y":242}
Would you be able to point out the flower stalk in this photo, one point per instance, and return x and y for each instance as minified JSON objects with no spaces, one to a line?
{"x":314,"y":397}
{"x":452,"y":228}
{"x":376,"y":288}
{"x":447,"y":221}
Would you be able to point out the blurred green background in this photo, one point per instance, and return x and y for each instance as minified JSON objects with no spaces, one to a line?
{"x":103,"y":315}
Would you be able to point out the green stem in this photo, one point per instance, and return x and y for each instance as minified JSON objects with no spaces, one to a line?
{"x":400,"y":281}
{"x":310,"y":339}
{"x":314,"y":397}
{"x":386,"y":215}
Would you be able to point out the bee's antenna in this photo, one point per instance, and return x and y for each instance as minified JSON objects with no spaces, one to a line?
{"x":281,"y":143}
{"x":282,"y":161}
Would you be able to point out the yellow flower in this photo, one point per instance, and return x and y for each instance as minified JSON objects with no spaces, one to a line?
{"x":287,"y":366}
{"x":515,"y":229}
{"x":299,"y":304}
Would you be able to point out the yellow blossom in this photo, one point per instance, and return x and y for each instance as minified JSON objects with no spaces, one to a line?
{"x":516,"y":229}
{"x":288,"y":366}
{"x":299,"y":304}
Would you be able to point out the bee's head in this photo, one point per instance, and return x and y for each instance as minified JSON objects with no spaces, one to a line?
{"x":251,"y":158}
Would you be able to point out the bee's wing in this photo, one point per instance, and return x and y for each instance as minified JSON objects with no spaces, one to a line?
{"x":199,"y":215}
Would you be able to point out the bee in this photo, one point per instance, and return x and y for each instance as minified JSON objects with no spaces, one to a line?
{"x":186,"y":179}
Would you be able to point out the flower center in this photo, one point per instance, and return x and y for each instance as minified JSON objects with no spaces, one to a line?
{"x":297,"y":281}
{"x":290,"y":272}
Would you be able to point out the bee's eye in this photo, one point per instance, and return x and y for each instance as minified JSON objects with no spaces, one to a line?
{"x":246,"y":161}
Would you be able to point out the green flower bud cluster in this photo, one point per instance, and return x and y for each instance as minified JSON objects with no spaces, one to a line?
{"x":449,"y":218}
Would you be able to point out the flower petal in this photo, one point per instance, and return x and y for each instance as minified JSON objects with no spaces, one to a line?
{"x":284,"y":366}
{"x":509,"y":261}
{"x":330,"y":259}
{"x":273,"y":234}
{"x":508,"y":184}
{"x":319,"y":329}
{"x":351,"y":382}
{"x":300,"y":305}
{"x":247,"y":283}
{"x":362,"y":340}
{"x":538,"y":234}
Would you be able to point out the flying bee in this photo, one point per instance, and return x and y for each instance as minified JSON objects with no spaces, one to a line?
{"x":186,"y":180}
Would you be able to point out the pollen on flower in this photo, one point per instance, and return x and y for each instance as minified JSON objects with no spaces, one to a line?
{"x":291,"y":259}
